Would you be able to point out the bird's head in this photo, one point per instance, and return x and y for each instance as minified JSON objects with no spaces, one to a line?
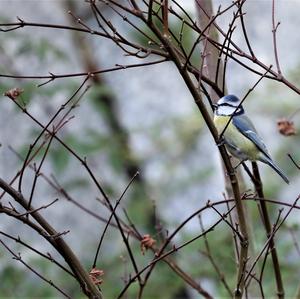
{"x":229,"y":105}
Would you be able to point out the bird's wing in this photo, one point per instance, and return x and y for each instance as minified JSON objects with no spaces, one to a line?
{"x":245,"y":126}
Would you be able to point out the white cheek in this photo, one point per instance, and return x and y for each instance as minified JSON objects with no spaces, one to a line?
{"x":226,"y":110}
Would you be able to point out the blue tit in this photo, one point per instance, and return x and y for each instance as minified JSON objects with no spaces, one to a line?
{"x":240,"y":136}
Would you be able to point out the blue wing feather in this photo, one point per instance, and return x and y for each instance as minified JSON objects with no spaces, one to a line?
{"x":246,"y":127}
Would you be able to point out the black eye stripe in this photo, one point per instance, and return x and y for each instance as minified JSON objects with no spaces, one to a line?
{"x":238,"y":110}
{"x":229,"y":105}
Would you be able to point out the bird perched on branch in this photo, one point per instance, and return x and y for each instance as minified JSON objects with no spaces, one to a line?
{"x":239,"y":133}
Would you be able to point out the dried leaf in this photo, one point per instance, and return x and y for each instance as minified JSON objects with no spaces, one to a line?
{"x":286,"y":127}
{"x":13,"y":93}
{"x":95,"y":274}
{"x":146,"y":243}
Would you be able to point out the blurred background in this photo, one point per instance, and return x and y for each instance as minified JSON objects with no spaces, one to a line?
{"x":140,"y":119}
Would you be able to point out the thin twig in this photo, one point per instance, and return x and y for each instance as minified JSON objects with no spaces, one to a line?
{"x":110,"y":217}
{"x":17,"y":257}
{"x":266,"y":220}
{"x":212,"y":260}
{"x":46,"y":256}
{"x":293,"y":160}
{"x":161,"y":256}
{"x":274,"y":31}
{"x":274,"y":230}
{"x":56,"y":240}
{"x":242,"y":101}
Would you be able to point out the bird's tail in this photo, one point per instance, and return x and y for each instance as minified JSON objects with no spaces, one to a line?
{"x":276,"y":168}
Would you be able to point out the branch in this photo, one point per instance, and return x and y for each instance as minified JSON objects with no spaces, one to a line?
{"x":61,"y":246}
{"x":118,"y":67}
{"x":22,"y":23}
{"x":46,"y":256}
{"x":109,"y":220}
{"x":266,"y":220}
{"x":274,"y":30}
{"x":234,"y":183}
{"x":17,"y":257}
{"x":160,"y":255}
{"x":213,"y":262}
{"x":273,"y":232}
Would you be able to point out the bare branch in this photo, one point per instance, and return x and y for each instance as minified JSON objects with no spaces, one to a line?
{"x":18,"y":257}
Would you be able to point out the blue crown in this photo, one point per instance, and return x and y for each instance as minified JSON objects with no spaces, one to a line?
{"x":231,"y":98}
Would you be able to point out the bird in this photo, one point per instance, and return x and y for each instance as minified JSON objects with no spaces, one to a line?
{"x":238,"y":133}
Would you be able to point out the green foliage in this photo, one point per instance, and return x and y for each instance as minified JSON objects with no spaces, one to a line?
{"x":97,"y":94}
{"x":19,"y":282}
{"x":12,"y":280}
{"x":41,"y":48}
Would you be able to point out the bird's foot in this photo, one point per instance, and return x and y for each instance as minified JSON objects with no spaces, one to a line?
{"x":221,"y":141}
{"x":234,"y":168}
{"x":241,"y":162}
{"x":231,"y":173}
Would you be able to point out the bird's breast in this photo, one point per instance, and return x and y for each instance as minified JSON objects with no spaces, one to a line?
{"x":238,"y":145}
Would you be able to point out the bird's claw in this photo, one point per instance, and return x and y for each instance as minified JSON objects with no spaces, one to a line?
{"x":241,"y":162}
{"x":231,"y":173}
{"x":221,"y":141}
